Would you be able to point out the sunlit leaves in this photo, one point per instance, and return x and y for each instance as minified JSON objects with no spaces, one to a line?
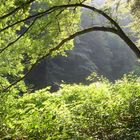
{"x":45,"y":32}
{"x":96,"y":111}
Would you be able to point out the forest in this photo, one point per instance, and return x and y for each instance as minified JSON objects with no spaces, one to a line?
{"x":70,"y":70}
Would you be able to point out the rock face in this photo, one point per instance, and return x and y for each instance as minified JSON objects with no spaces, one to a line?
{"x":99,"y":52}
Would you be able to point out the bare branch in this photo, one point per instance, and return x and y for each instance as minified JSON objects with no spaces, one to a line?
{"x":120,"y":32}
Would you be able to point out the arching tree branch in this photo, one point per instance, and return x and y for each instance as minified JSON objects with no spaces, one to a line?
{"x":103,"y":29}
{"x":120,"y":32}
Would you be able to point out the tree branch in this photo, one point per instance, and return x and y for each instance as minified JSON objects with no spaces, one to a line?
{"x":120,"y":32}
{"x":38,"y":15}
{"x":11,"y":43}
{"x":52,"y":9}
{"x":16,"y":9}
{"x":103,"y":29}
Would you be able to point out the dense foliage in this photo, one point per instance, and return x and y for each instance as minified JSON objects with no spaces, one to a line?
{"x":101,"y":110}
{"x":32,"y":30}
{"x":23,"y":44}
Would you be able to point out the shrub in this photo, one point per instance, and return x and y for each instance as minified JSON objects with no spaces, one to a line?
{"x":101,"y":110}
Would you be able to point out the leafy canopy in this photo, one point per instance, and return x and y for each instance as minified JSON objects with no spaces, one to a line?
{"x":24,"y":43}
{"x":31,"y":30}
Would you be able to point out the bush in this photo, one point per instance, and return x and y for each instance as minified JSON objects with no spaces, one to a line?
{"x":101,"y":110}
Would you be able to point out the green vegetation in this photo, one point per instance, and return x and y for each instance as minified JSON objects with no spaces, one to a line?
{"x":101,"y":110}
{"x":33,"y":30}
